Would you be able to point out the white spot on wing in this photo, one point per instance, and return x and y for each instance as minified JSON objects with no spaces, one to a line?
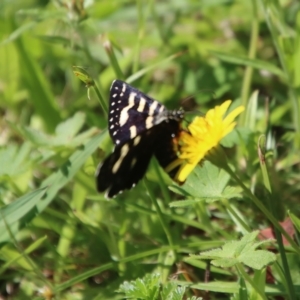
{"x":124,"y":87}
{"x":136,"y":140}
{"x":132,"y":130}
{"x":124,"y":151}
{"x":133,"y":162}
{"x":113,"y":103}
{"x":142,"y":104}
{"x":152,"y":108}
{"x":114,"y":95}
{"x":124,"y":113}
{"x":149,"y":122}
{"x":112,"y":127}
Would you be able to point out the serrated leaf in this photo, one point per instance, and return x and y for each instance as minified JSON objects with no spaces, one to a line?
{"x":225,"y":262}
{"x":242,"y":251}
{"x":146,"y":288}
{"x":257,"y":259}
{"x":232,"y":192}
{"x":168,"y":289}
{"x":210,"y":183}
{"x":171,"y":291}
{"x":176,"y":294}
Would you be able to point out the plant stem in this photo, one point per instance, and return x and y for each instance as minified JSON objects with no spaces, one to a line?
{"x":265,"y":211}
{"x":249,"y":70}
{"x":248,"y":279}
{"x":160,"y":214}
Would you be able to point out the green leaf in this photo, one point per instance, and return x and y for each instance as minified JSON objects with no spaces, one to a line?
{"x":14,"y":160}
{"x":214,"y":286}
{"x":242,"y":251}
{"x":14,"y":257}
{"x":65,"y":133}
{"x":251,"y":62}
{"x":68,"y":170}
{"x":18,"y":213}
{"x":40,"y":94}
{"x":295,"y":220}
{"x":14,"y":216}
{"x":172,"y":291}
{"x":293,"y":261}
{"x":209,"y":183}
{"x":146,"y":288}
{"x":176,"y":294}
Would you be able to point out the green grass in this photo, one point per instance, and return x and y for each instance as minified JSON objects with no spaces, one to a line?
{"x":158,"y":240}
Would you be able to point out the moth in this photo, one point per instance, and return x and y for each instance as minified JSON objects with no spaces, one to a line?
{"x":140,"y":128}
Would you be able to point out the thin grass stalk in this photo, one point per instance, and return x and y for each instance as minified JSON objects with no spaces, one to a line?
{"x":267,"y":184}
{"x":161,"y":182}
{"x":36,"y":270}
{"x":85,"y":77}
{"x":262,"y":207}
{"x":160,"y":214}
{"x":113,"y":60}
{"x":242,"y":272}
{"x":230,"y":210}
{"x":157,"y":21}
{"x":141,"y":31}
{"x":103,"y":103}
{"x":293,"y":93}
{"x":252,"y":54}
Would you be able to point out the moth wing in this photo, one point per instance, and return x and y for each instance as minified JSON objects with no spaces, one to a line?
{"x":131,"y":112}
{"x":126,"y":166}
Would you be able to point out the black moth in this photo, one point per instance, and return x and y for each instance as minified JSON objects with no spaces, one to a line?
{"x":139,"y":127}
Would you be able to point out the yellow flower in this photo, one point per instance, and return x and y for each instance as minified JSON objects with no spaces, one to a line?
{"x":204,"y":133}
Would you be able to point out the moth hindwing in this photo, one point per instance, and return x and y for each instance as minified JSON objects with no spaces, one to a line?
{"x":140,"y":127}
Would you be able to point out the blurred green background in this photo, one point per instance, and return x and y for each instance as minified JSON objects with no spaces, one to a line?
{"x":56,"y":233}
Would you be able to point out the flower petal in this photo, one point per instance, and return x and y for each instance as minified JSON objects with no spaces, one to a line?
{"x":204,"y":133}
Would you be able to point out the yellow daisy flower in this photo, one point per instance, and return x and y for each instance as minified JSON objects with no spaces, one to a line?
{"x":204,"y":133}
